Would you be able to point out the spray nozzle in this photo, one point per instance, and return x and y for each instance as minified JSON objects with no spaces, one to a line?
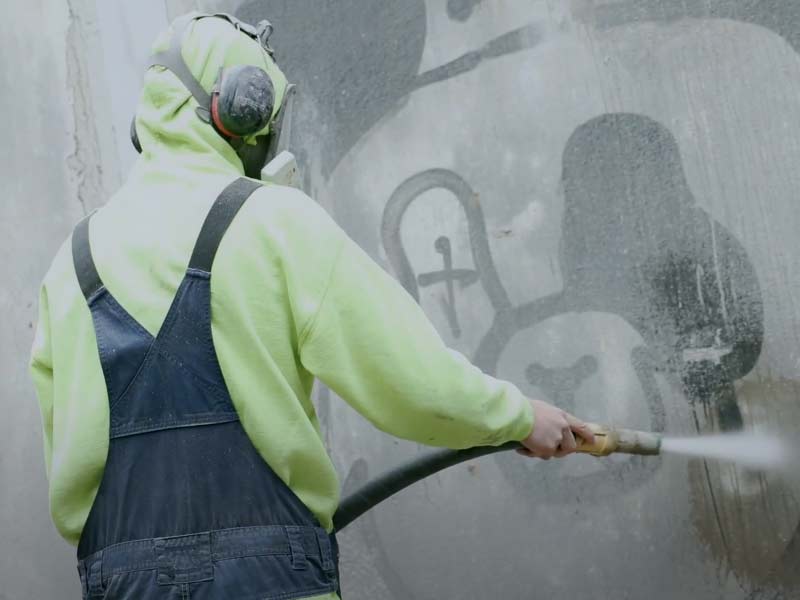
{"x":608,"y":440}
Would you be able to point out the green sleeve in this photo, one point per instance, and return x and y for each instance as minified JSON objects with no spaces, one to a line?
{"x":41,"y":367}
{"x":371,"y":343}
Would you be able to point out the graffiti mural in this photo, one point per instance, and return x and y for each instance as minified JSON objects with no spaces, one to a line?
{"x":596,"y":201}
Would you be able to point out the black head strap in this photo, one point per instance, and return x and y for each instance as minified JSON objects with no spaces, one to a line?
{"x":172,"y":57}
{"x":219,"y":218}
{"x":88,"y":277}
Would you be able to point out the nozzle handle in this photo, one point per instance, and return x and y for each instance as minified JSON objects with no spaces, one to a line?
{"x":605,"y":441}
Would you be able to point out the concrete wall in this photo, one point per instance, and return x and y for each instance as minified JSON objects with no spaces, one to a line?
{"x":55,"y":167}
{"x":65,"y":151}
{"x":593,"y":199}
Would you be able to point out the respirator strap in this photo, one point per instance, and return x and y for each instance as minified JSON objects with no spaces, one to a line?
{"x":172,"y":59}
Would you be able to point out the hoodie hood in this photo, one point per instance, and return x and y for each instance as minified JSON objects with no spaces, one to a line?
{"x":171,"y":133}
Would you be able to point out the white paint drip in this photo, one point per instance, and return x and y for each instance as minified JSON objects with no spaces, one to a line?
{"x":751,"y":450}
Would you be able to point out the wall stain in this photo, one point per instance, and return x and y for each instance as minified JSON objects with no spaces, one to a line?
{"x":84,"y":162}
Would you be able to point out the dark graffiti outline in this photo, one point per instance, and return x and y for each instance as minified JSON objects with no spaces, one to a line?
{"x":403,"y":77}
{"x":700,"y":352}
{"x":395,"y":209}
{"x":508,"y":320}
{"x":516,"y":40}
{"x":448,"y":275}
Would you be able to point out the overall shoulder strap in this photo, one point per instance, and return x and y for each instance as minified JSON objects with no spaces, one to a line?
{"x":219,"y":218}
{"x":88,"y":277}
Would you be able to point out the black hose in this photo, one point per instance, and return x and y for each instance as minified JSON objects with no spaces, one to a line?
{"x":391,"y":482}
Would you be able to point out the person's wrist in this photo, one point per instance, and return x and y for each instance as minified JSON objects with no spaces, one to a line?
{"x":530,"y":420}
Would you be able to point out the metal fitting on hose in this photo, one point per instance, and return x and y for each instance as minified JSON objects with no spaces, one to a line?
{"x":608,"y":440}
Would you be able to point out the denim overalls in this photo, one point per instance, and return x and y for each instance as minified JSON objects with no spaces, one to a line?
{"x":187,"y":508}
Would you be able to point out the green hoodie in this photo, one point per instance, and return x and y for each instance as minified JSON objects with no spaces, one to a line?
{"x":293,"y":298}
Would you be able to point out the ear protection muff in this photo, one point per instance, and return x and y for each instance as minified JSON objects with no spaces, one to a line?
{"x":243,"y":96}
{"x":242,"y":101}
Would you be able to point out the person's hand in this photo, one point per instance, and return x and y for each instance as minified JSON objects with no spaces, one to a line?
{"x":554,"y":432}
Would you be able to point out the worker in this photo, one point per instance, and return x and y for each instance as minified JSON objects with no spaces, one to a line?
{"x":180,"y":330}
